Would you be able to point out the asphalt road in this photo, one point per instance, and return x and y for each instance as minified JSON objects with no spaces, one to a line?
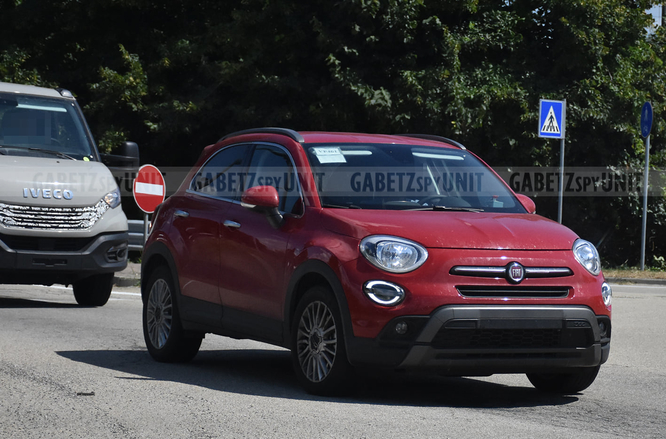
{"x":70,"y":372}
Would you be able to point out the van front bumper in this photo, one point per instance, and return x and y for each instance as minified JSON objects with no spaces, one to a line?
{"x":40,"y":260}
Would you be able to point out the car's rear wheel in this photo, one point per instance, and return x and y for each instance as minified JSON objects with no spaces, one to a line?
{"x":165,"y":338}
{"x":564,"y":383}
{"x":94,"y":290}
{"x":319,"y":356}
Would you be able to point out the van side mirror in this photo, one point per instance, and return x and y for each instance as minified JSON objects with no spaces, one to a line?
{"x":125,"y":156}
{"x":264,"y":199}
{"x":527,"y":203}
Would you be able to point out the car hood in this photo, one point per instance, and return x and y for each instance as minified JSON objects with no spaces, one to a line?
{"x":24,"y":179}
{"x":468,"y":230}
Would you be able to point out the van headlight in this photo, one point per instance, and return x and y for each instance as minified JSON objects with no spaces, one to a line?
{"x":113,"y":198}
{"x":586,"y":254}
{"x":393,"y":254}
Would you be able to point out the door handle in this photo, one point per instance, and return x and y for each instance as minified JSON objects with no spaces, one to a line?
{"x":232,"y":224}
{"x":181,"y":214}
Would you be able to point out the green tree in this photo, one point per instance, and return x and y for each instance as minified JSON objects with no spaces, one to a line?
{"x":176,"y":75}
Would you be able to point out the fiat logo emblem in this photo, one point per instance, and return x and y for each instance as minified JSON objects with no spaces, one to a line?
{"x":515,"y":273}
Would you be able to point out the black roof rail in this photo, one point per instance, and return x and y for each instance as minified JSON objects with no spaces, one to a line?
{"x":269,"y":130}
{"x":435,"y":138}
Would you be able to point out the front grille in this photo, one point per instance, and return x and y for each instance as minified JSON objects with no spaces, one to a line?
{"x":32,"y":243}
{"x":51,"y":218}
{"x":518,"y":338}
{"x":513,"y":292}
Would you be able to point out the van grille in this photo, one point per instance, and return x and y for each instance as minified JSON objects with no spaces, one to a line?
{"x":51,"y":218}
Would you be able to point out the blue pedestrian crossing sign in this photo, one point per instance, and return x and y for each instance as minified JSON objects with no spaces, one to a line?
{"x":552,"y":118}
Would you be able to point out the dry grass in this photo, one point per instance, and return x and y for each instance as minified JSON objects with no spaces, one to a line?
{"x":633,"y":273}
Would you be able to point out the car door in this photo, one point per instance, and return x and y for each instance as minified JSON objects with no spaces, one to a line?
{"x":197,"y":221}
{"x":252,"y":259}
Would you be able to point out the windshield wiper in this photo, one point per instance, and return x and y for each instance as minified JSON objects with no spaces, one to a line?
{"x":56,"y":153}
{"x":337,"y":206}
{"x":3,"y":150}
{"x":457,"y":209}
{"x":450,"y":209}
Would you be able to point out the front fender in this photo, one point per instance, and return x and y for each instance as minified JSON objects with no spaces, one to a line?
{"x":307,"y":274}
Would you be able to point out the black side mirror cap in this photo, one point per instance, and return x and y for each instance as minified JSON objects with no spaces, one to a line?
{"x":126,"y":156}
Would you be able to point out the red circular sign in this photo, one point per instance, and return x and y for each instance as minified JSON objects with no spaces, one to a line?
{"x":149,"y":188}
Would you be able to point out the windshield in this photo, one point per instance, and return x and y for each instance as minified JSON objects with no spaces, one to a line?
{"x":406,"y":177}
{"x":31,"y":125}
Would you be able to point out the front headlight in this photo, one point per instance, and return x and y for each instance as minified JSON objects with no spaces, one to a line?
{"x":587,"y":256}
{"x":113,"y":198}
{"x":393,"y":254}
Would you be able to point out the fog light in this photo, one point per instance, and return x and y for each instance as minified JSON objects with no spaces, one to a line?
{"x":606,"y":293}
{"x":401,"y":328}
{"x":117,"y":253}
{"x":384,"y":293}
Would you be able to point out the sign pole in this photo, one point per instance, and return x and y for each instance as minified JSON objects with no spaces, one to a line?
{"x":561,"y":195}
{"x":646,"y":127}
{"x":645,"y":200}
{"x":145,"y":227}
{"x":552,"y":124}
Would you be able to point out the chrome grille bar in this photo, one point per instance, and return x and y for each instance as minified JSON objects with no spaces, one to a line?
{"x":51,"y":218}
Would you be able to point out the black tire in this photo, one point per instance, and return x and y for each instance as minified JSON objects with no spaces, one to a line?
{"x":564,"y":383}
{"x":318,"y":353}
{"x":94,"y":290}
{"x":165,"y":338}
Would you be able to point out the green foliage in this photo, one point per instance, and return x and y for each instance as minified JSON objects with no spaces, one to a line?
{"x":176,"y":75}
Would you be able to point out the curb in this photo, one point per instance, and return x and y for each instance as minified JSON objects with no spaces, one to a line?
{"x":629,"y":280}
{"x":129,"y":277}
{"x":125,"y":281}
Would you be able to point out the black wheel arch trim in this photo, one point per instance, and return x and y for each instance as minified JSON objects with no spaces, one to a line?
{"x":325,"y":271}
{"x":158,"y":249}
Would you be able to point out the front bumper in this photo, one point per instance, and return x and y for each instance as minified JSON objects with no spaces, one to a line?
{"x":29,"y":260}
{"x":482,"y":340}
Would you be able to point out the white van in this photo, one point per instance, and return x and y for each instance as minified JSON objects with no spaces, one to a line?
{"x":60,"y":214}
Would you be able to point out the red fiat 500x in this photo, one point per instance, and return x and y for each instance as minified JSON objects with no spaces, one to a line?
{"x":373,"y":251}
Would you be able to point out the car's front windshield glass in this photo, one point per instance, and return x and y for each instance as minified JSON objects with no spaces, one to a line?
{"x":44,"y":127}
{"x":406,"y":177}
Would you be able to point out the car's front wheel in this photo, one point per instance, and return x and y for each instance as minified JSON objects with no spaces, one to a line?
{"x":564,"y":383}
{"x":319,"y":356}
{"x":94,"y":290}
{"x":165,"y":338}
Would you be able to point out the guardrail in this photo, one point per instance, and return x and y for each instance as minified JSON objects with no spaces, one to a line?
{"x":135,"y":228}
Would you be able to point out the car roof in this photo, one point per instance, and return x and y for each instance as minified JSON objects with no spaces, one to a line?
{"x":327,"y":137}
{"x":415,"y":139}
{"x":7,"y":87}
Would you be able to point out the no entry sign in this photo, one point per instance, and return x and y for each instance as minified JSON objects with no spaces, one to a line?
{"x":149,"y":188}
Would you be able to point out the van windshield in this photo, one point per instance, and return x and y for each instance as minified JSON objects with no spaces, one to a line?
{"x":406,"y":177}
{"x":39,"y":126}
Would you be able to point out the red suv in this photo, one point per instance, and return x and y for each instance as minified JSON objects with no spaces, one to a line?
{"x":374,"y":251}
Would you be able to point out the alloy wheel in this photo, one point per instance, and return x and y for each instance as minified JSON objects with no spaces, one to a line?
{"x":159,"y":313}
{"x":316,"y":341}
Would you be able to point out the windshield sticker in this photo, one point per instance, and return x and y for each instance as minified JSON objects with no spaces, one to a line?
{"x":329,"y":155}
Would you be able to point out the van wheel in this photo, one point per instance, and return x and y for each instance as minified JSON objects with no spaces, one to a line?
{"x":94,"y":290}
{"x":564,"y":383}
{"x":318,"y":350}
{"x":165,"y":338}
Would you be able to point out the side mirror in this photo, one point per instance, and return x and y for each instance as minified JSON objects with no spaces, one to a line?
{"x":264,"y":199}
{"x":126,"y":155}
{"x":527,"y":203}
